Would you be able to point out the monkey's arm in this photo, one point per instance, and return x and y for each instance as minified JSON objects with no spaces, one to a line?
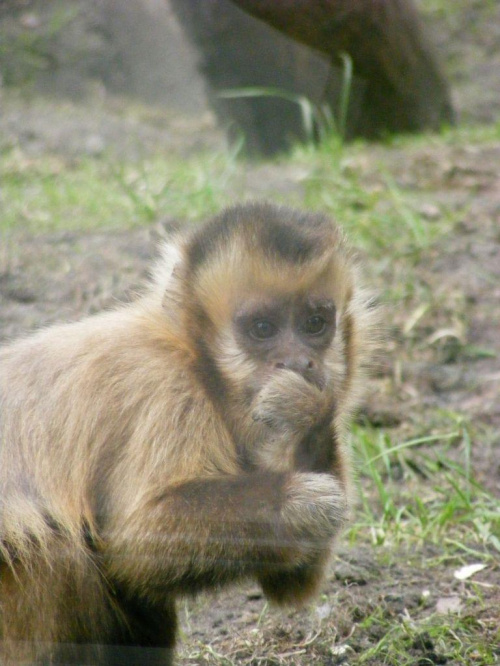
{"x":299,"y":411}
{"x":206,"y":532}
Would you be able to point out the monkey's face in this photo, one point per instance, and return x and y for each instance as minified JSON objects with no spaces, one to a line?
{"x":280,"y":354}
{"x":290,"y":332}
{"x":286,"y":375}
{"x":264,"y":319}
{"x":267,"y":308}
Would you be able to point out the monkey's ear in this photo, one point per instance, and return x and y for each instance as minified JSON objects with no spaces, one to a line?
{"x":170,"y":259}
{"x":168,"y":271}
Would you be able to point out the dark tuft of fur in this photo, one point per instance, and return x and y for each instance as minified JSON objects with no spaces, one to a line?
{"x":279,"y":232}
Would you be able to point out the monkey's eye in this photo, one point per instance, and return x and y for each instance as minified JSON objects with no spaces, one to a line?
{"x":262,"y":330}
{"x":315,"y":325}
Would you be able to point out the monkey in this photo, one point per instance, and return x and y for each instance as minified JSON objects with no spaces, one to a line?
{"x":190,"y":439}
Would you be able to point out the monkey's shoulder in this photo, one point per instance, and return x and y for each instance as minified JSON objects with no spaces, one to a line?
{"x":119,"y":358}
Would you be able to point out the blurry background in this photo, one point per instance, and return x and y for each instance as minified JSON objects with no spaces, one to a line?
{"x":138,"y":50}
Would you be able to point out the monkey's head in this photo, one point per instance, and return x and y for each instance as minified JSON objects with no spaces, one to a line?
{"x":267,"y":298}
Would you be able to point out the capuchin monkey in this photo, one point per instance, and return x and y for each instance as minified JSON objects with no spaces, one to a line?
{"x":188,"y":440}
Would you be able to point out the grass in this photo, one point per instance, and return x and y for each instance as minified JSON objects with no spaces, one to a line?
{"x":444,"y":9}
{"x":376,"y":217}
{"x":47,"y":193}
{"x":422,"y":491}
{"x":415,"y":494}
{"x":458,"y":135}
{"x":50,"y":193}
{"x":319,"y":121}
{"x":438,"y":640}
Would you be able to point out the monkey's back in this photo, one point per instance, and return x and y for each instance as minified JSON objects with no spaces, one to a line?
{"x":87,"y":406}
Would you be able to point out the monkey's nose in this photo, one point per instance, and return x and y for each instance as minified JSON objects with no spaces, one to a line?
{"x":300,"y":364}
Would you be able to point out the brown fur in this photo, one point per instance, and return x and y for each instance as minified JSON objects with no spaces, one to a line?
{"x":146,"y":453}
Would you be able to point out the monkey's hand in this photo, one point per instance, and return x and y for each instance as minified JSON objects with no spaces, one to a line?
{"x":315,"y":510}
{"x":290,"y":404}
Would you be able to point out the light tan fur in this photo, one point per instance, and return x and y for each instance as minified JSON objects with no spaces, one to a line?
{"x":126,"y":479}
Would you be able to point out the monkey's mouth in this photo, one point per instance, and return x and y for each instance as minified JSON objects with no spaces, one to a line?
{"x":317,"y":379}
{"x":313,"y":376}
